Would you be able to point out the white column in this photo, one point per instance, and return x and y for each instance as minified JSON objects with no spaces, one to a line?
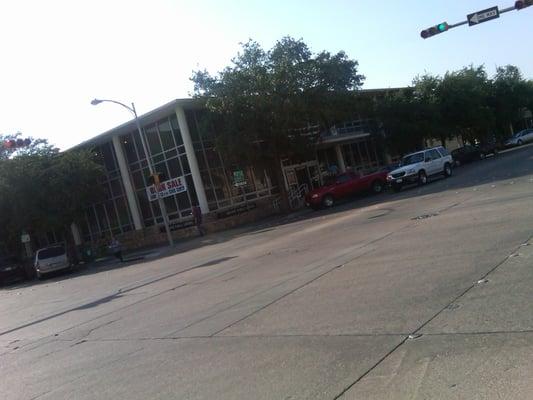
{"x":191,"y":158}
{"x":75,"y":234}
{"x":128,"y":187}
{"x":340,"y":158}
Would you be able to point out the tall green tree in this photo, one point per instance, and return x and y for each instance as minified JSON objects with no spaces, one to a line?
{"x":264,"y":98}
{"x":46,"y":190}
{"x":509,"y":97}
{"x":464,"y":103}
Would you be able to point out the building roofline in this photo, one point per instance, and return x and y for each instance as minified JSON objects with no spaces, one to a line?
{"x":146,"y":118}
{"x":164,"y":110}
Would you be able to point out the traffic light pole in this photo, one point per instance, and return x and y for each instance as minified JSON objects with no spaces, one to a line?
{"x":476,"y":18}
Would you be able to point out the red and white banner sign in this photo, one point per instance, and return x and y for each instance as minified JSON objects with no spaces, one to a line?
{"x":168,"y":188}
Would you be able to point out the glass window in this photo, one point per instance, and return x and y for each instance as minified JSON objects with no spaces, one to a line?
{"x":144,"y":205}
{"x":109,"y":156}
{"x":183,"y":201}
{"x":434,"y":154}
{"x":129,"y":148}
{"x":123,"y":211}
{"x":158,"y":158}
{"x":174,"y":168}
{"x":185,"y":165}
{"x":107,"y":190}
{"x":412,"y":159}
{"x":191,"y":189}
{"x":153,"y":140}
{"x":171,"y":153}
{"x":202,"y":165}
{"x":116,"y":187}
{"x":138,"y":179}
{"x":111,"y":214}
{"x":100,"y":212}
{"x":51,"y":252}
{"x":191,"y":122}
{"x":162,"y":168}
{"x":170,"y":205}
{"x":213,"y":158}
{"x":444,"y":152}
{"x":176,"y":130}
{"x":165,"y":133}
{"x":342,"y":178}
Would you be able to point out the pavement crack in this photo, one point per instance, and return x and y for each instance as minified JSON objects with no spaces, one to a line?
{"x":416,"y":332}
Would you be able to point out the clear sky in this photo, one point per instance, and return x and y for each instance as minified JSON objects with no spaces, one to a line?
{"x":58,"y":55}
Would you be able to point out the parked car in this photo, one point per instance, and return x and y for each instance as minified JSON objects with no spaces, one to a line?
{"x":49,"y":259}
{"x":469,"y":153}
{"x":489,"y":147}
{"x":10,"y":269}
{"x":466,"y":154}
{"x":345,"y":185}
{"x":417,"y":167}
{"x":520,"y":138}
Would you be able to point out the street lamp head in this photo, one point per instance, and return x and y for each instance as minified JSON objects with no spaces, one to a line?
{"x":94,"y":102}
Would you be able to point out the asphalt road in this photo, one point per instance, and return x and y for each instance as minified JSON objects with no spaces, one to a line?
{"x":425,"y":294}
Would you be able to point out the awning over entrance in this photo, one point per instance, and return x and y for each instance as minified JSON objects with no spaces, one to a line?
{"x":331,"y":140}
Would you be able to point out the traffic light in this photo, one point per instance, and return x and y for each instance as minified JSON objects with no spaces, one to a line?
{"x":435,"y":30}
{"x":156,"y":178}
{"x":13,"y":144}
{"x":523,"y":4}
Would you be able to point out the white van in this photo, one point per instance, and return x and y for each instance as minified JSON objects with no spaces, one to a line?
{"x":53,"y":258}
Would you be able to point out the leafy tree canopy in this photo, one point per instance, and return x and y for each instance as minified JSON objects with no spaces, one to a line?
{"x":41,"y":189}
{"x":266,"y":97}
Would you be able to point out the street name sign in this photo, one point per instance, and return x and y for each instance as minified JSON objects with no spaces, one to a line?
{"x":167,"y":188}
{"x":483,"y":16}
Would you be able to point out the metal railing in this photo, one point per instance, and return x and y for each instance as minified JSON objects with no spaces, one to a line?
{"x":297,"y":196}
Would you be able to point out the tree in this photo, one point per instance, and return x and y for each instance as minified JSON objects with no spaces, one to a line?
{"x":400,"y":114}
{"x":509,"y":97}
{"x":43,"y":190}
{"x":464,"y":103}
{"x":261,"y":102}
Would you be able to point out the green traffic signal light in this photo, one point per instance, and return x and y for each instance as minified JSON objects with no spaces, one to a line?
{"x":435,"y":30}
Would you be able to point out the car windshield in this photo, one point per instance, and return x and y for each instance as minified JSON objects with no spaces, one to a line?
{"x":51,"y":252}
{"x":412,"y":159}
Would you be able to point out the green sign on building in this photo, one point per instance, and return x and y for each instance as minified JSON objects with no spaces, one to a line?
{"x":238,"y":178}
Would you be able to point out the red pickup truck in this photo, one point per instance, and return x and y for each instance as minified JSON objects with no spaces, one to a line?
{"x":344,"y":185}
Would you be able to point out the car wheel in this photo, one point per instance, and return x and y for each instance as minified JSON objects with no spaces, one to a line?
{"x":447,"y":170}
{"x":377,"y":186}
{"x":397,"y":187}
{"x":422,"y":178}
{"x":328,"y":201}
{"x":520,"y":143}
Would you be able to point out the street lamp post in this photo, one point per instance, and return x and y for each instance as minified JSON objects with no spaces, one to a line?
{"x":162,"y":206}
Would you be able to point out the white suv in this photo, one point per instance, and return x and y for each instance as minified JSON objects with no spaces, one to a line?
{"x":417,"y":167}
